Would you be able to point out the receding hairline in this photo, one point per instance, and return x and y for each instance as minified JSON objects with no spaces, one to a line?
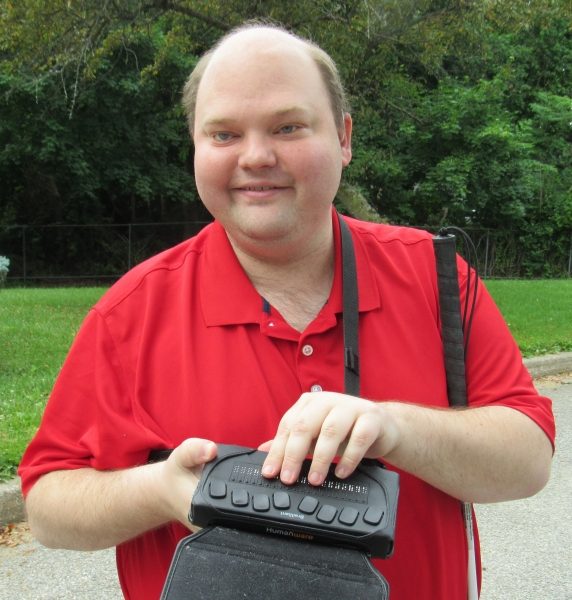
{"x":250,"y":42}
{"x":320,"y":58}
{"x":276,"y":34}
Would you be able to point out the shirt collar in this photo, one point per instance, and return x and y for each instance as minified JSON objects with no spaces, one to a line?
{"x":229,"y":298}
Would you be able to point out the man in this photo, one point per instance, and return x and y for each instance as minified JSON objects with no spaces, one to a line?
{"x":235,"y":336}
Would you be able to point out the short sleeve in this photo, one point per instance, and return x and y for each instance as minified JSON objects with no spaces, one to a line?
{"x":88,"y":421}
{"x":496,"y":374}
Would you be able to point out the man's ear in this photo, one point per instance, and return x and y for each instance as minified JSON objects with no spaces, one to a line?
{"x":345,"y":137}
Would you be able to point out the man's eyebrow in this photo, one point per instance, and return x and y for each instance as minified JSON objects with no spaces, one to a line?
{"x":279,"y":113}
{"x":217,"y":121}
{"x":291,"y":110}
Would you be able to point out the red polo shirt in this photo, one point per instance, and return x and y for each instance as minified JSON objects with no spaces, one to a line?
{"x":183,"y":346}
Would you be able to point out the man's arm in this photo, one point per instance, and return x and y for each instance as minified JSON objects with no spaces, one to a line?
{"x":486,"y":454}
{"x":85,"y":509}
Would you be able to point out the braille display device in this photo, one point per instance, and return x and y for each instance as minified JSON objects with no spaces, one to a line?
{"x":358,"y":511}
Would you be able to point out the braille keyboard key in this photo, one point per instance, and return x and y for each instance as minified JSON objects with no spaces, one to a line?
{"x":308,"y":505}
{"x":348,"y":516}
{"x":261,"y":502}
{"x":281,"y":500}
{"x":217,"y":489}
{"x":327,"y":513}
{"x":373,"y":515}
{"x":240,"y":497}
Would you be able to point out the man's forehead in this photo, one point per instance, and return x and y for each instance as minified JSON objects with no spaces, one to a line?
{"x":251,"y":62}
{"x":257,"y":44}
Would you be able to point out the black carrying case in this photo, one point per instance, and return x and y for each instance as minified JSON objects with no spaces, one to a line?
{"x":220,"y":563}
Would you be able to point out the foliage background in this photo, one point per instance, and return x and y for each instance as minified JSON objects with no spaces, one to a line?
{"x":462,"y":110}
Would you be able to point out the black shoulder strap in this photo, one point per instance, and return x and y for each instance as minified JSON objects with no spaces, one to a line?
{"x":351,"y":311}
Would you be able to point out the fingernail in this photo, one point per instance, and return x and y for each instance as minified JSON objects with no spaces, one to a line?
{"x":267,"y":470}
{"x":315,"y":478}
{"x":287,"y":475}
{"x":208,"y":451}
{"x":342,"y":472}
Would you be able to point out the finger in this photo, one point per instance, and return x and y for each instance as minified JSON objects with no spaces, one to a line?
{"x":336,"y":427}
{"x":303,"y":433}
{"x":273,"y":462}
{"x":364,"y":434}
{"x":194,"y":452}
{"x":298,"y":428}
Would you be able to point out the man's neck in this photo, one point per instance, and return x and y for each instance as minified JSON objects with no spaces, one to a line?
{"x":297,"y":285}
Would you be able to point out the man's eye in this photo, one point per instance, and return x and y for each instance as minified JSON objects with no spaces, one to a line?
{"x":222,"y":136}
{"x":288,"y":129}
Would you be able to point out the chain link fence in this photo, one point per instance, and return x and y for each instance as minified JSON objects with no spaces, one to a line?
{"x":505,"y":255}
{"x":85,"y":254}
{"x":100,"y":254}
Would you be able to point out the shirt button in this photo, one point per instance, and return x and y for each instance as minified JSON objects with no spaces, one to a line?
{"x":307,"y":350}
{"x":316,"y":388}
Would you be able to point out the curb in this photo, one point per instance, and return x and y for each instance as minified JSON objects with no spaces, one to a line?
{"x":549,"y":364}
{"x":12,"y":506}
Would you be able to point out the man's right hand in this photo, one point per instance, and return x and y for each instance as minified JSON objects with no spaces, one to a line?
{"x":180,"y":476}
{"x":107,"y":508}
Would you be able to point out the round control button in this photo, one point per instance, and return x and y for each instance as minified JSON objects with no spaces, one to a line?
{"x":281,"y":500}
{"x":348,"y":516}
{"x":326,"y":514}
{"x":240,"y":497}
{"x":307,"y":350}
{"x":316,"y":388}
{"x":217,"y":489}
{"x":373,"y":515}
{"x":261,"y":502}
{"x":308,"y":505}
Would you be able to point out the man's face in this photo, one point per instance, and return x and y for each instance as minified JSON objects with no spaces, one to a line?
{"x":268,"y":155}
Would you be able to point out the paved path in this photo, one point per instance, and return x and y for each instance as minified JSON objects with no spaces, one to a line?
{"x":31,"y":572}
{"x":526,"y":544}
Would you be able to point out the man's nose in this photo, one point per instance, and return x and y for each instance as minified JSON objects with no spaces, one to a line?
{"x":257,"y":152}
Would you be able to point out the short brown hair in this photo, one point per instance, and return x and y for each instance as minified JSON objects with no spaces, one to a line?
{"x":324,"y":62}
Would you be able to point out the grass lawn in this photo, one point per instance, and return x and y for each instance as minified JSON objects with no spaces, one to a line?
{"x":538,"y":313}
{"x":37,"y":327}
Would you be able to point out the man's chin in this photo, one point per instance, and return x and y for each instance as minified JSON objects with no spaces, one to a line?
{"x":266,"y":226}
{"x":266,"y":237}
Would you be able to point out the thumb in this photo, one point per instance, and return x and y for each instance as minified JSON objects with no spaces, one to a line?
{"x":194,"y":452}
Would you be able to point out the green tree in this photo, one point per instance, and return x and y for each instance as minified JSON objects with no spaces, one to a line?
{"x":461,"y":107}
